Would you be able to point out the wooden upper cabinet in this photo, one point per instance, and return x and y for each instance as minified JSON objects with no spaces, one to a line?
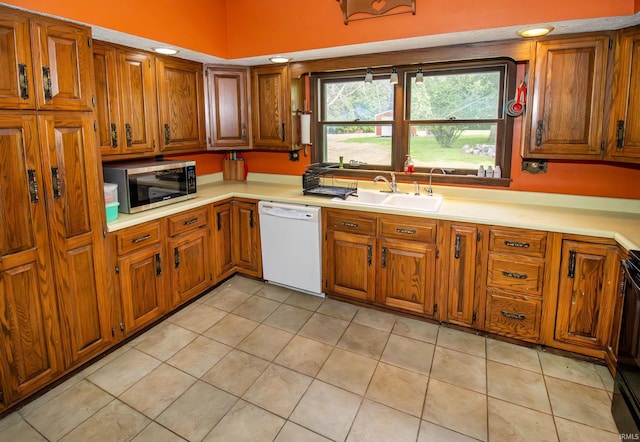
{"x":138,"y":126}
{"x":109,"y":132}
{"x":180,"y":104}
{"x":586,"y":297}
{"x":229,"y":116}
{"x":16,"y":86}
{"x":624,"y":125}
{"x":29,"y":335}
{"x":568,"y":100}
{"x":271,"y":107}
{"x":62,"y":65}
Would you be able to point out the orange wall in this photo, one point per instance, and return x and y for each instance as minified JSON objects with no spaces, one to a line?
{"x":243,"y":28}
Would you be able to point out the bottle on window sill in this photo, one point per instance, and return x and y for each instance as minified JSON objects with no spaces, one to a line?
{"x":408,"y":165}
{"x":497,"y":172}
{"x":481,"y":171}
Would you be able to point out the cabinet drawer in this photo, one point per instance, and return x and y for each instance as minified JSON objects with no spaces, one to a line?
{"x":138,"y":237}
{"x":406,"y":228}
{"x":517,"y":273}
{"x":522,"y":242}
{"x":351,"y":222}
{"x":185,"y":221}
{"x":513,"y":315}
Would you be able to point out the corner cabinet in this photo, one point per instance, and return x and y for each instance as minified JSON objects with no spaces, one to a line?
{"x":589,"y":275}
{"x":180,"y":104}
{"x":568,"y":100}
{"x":624,"y":133}
{"x":229,"y":108}
{"x":272,"y":99}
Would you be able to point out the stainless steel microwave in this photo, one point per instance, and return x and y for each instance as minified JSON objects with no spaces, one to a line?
{"x":149,"y":184}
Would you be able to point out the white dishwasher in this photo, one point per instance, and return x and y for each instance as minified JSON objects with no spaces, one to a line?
{"x":290,"y":235}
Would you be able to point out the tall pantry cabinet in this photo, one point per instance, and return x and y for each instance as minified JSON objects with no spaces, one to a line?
{"x":53,"y":308}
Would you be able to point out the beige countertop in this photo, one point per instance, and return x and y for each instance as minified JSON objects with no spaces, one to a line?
{"x":600,"y":217}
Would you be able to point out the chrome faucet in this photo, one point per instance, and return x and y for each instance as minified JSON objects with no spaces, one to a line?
{"x":429,"y":189}
{"x":392,"y":185}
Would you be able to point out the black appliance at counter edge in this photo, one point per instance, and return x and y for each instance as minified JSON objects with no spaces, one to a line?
{"x":625,"y":405}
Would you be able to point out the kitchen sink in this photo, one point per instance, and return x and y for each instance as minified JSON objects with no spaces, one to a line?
{"x":375,"y":198}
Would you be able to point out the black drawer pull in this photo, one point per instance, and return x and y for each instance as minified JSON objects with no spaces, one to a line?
{"x":190,"y":221}
{"x":140,"y":239}
{"x":524,"y":245}
{"x":114,"y":135}
{"x":513,"y":315}
{"x":407,"y":231}
{"x":33,"y":185}
{"x":23,"y":81}
{"x":349,"y":224}
{"x":457,"y":248}
{"x":515,"y":275}
{"x":56,"y":183}
{"x":128,"y":134}
{"x":46,"y":83}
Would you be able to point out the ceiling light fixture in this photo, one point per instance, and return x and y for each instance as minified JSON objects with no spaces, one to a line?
{"x":393,"y":79}
{"x":535,"y":31}
{"x":419,"y":76}
{"x":279,"y":59}
{"x":368,"y":78}
{"x":166,"y":51}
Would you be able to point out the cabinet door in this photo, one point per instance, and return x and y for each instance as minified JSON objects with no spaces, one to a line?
{"x":407,"y":275}
{"x":190,"y":271}
{"x":246,"y":238}
{"x":142,"y":287}
{"x":107,"y":112}
{"x":271,"y":96}
{"x":75,"y":212}
{"x":349,"y":265}
{"x":137,"y":101}
{"x":180,"y":104}
{"x":62,"y":64}
{"x":568,"y":98}
{"x":461,"y":298}
{"x":29,"y":333}
{"x":228,"y":108}
{"x":222,"y":243}
{"x":586,"y":295}
{"x":624,"y":140}
{"x":16,"y":84}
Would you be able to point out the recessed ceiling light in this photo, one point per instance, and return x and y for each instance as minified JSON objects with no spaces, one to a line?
{"x":166,"y":51}
{"x":537,"y":31}
{"x":279,"y":59}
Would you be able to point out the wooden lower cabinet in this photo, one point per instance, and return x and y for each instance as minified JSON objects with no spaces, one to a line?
{"x":223,"y":265}
{"x":188,"y":247}
{"x":141,"y":269}
{"x":589,"y":276}
{"x":465,"y":266}
{"x":349,"y":265}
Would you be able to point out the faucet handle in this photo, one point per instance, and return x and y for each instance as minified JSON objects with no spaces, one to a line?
{"x":417,"y":188}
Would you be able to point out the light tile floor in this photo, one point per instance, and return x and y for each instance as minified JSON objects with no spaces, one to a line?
{"x":250,"y":361}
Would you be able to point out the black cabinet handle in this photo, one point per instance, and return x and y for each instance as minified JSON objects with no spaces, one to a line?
{"x":251,"y":218}
{"x":158,"y":265}
{"x":369,"y":255}
{"x":176,"y":258}
{"x":23,"y":80}
{"x":46,"y":83}
{"x":384,"y":257}
{"x":219,"y":221}
{"x":572,"y":264}
{"x":283,"y":135}
{"x":33,"y":185}
{"x":514,"y":275}
{"x":513,"y":315}
{"x":128,"y":134}
{"x":190,"y":221}
{"x":167,"y":134}
{"x":244,"y":131}
{"x":349,"y":224}
{"x":407,"y":231}
{"x":457,"y":246}
{"x":620,"y":134}
{"x":114,"y":135}
{"x":55,"y":182}
{"x":524,"y":245}
{"x":539,"y":133}
{"x":140,"y":239}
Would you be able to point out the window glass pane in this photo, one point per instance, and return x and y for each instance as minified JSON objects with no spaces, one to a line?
{"x":457,"y":146}
{"x":365,"y":144}
{"x":353,"y":99}
{"x":471,"y":96}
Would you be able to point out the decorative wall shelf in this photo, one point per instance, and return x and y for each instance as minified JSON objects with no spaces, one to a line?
{"x":375,"y":8}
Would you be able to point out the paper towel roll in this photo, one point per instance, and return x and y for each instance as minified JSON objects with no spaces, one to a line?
{"x":305,"y":129}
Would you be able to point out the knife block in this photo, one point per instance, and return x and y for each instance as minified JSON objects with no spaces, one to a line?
{"x":233,"y":170}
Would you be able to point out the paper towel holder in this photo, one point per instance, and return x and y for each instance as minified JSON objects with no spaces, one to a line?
{"x":304,"y":127}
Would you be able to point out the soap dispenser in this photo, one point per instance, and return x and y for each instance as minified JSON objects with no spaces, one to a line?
{"x":408,"y":165}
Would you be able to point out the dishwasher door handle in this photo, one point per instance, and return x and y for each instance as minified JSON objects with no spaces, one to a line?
{"x":286,"y":213}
